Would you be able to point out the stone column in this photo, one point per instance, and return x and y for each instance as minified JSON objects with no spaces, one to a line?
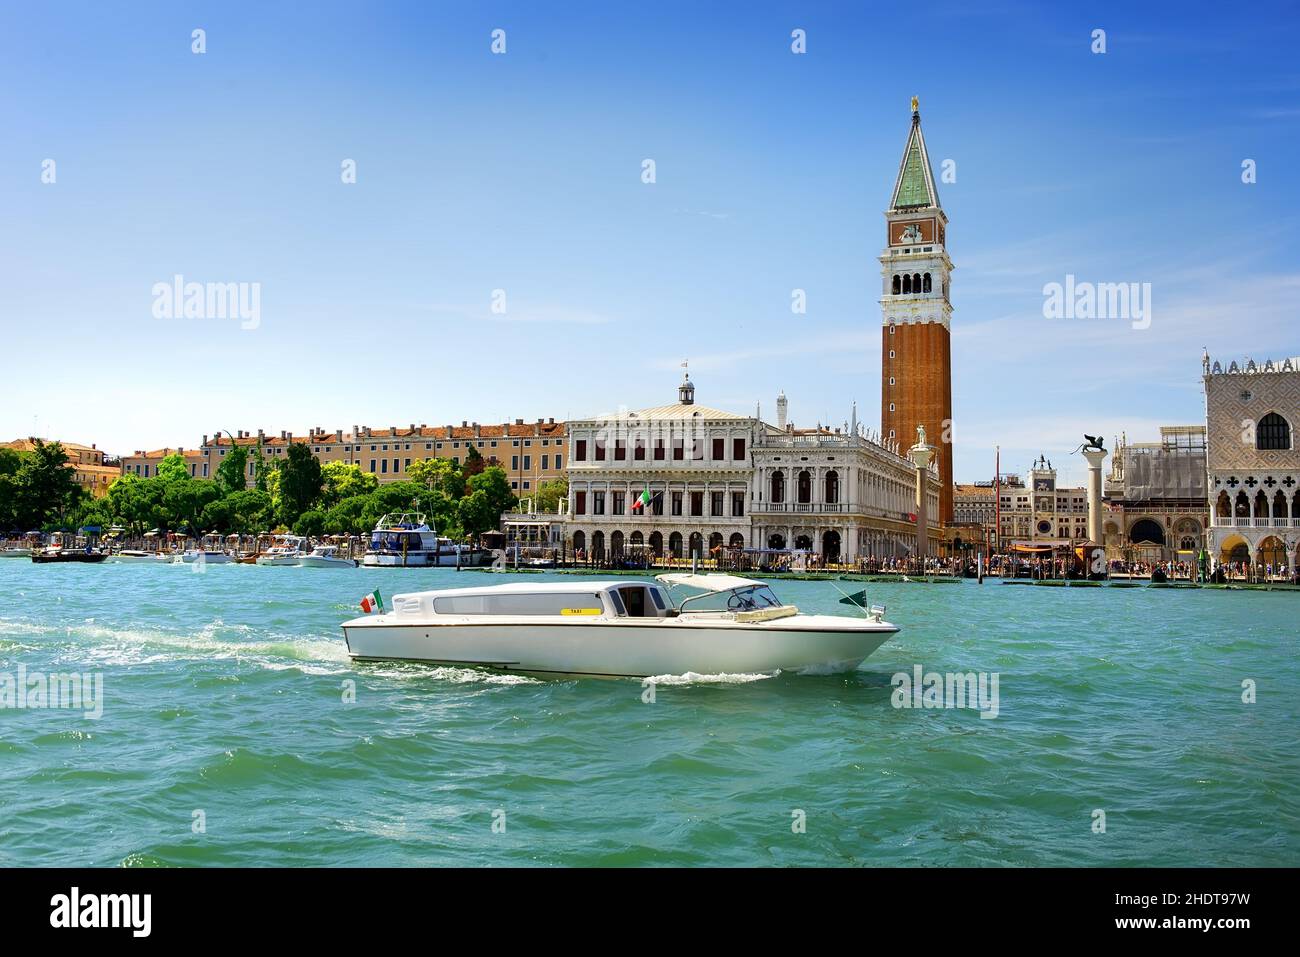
{"x":921,"y":454}
{"x":1095,"y":457}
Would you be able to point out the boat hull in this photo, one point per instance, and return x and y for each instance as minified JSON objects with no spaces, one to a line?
{"x":120,"y":559}
{"x":622,"y":648}
{"x":316,"y":561}
{"x":421,"y":560}
{"x":82,"y":557}
{"x":279,"y":560}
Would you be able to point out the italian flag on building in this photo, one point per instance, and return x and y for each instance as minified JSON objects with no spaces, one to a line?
{"x":372,"y":602}
{"x":642,"y":501}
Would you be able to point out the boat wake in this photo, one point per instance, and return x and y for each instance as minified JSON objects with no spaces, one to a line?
{"x":693,"y":678}
{"x":101,"y":646}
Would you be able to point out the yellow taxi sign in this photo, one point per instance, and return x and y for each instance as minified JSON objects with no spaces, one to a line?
{"x":580,"y":611}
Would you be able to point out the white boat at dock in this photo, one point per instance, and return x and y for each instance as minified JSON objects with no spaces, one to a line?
{"x":623,"y":628}
{"x":139,"y":556}
{"x":326,"y":556}
{"x":286,"y":550}
{"x":406,"y":540}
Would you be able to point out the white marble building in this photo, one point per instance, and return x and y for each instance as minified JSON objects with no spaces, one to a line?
{"x":1251,"y":411}
{"x":720,"y":480}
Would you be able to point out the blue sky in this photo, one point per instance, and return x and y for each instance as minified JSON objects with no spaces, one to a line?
{"x":522,"y":172}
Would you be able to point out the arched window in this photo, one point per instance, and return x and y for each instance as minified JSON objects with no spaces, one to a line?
{"x":1273,"y":432}
{"x":925,"y":283}
{"x":598,"y":544}
{"x":907,"y":284}
{"x":916,"y":282}
{"x":616,"y":544}
{"x":579,"y":541}
{"x":1223,"y":507}
{"x":657,"y":543}
{"x":778,"y":487}
{"x":675,"y":544}
{"x":832,"y":487}
{"x":898,"y":284}
{"x":805,"y":488}
{"x":737,"y":540}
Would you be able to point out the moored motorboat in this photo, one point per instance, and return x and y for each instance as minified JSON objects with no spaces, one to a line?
{"x":139,"y":556}
{"x":617,"y":629}
{"x":286,"y":550}
{"x":17,"y":551}
{"x":205,"y":556}
{"x":326,"y":556}
{"x":57,"y":553}
{"x":406,"y":540}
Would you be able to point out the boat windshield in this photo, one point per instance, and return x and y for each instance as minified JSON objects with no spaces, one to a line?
{"x":736,"y":599}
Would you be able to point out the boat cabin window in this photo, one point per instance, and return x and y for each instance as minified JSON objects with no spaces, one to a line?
{"x":548,"y":603}
{"x":658,"y":597}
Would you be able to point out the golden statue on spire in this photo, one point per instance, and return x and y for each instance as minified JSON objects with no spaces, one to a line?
{"x":916,"y":105}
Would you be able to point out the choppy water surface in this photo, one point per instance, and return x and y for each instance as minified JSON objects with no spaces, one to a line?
{"x":223,"y":694}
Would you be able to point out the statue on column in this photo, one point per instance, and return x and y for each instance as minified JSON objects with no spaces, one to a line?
{"x":920,"y":435}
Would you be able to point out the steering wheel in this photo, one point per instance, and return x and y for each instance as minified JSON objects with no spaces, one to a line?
{"x":738,"y":602}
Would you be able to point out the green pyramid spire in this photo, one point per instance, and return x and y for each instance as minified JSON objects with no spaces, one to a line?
{"x":915,"y":186}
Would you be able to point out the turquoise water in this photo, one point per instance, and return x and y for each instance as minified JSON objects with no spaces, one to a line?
{"x":223,"y":694}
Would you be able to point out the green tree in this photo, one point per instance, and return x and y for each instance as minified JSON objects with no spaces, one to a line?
{"x":310,"y":522}
{"x":252,"y":512}
{"x":348,"y":517}
{"x":493,"y":483}
{"x":232,"y":473}
{"x":343,"y":480}
{"x":11,"y":461}
{"x":172,"y":468}
{"x":46,"y":486}
{"x":474,"y":464}
{"x":301,"y":482}
{"x":476,"y":513}
{"x":184,"y":501}
{"x":551,"y":494}
{"x":439,"y":474}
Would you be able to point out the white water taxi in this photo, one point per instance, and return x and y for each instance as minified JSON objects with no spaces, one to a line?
{"x":406,"y":540}
{"x":139,"y":556}
{"x":623,"y":628}
{"x":286,"y":550}
{"x":18,"y":551}
{"x":206,"y":556}
{"x":326,"y":556}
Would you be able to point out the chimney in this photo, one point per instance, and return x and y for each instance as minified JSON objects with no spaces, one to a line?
{"x":412,"y":426}
{"x":338,"y":435}
{"x":550,"y":421}
{"x":356,"y":430}
{"x":476,"y":430}
{"x":205,"y":440}
{"x":464,"y":424}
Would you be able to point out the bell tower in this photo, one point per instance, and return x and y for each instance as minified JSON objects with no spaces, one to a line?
{"x":916,"y":358}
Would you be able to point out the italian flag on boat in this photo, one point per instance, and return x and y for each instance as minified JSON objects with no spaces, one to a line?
{"x":642,"y":501}
{"x":372,"y":602}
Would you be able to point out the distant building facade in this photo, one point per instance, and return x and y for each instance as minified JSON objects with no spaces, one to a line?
{"x":1156,"y":506}
{"x":531,"y":453}
{"x":1040,"y":512}
{"x":717,"y":479}
{"x":1253,"y":473}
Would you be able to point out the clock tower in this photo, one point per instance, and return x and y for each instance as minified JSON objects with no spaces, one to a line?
{"x":916,"y":357}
